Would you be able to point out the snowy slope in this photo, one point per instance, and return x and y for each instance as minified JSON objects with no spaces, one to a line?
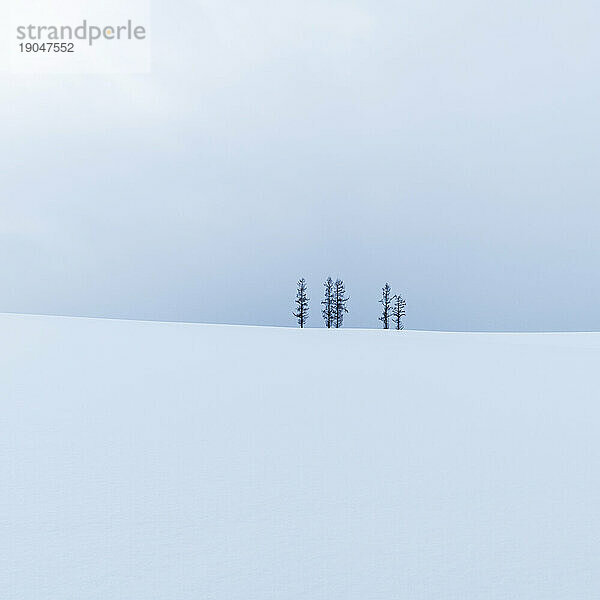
{"x":172,"y":461}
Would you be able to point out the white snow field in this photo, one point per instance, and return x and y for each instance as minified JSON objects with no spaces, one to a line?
{"x":171,"y":461}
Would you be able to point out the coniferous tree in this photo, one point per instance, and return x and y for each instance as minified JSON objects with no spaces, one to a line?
{"x":301,"y":303}
{"x":328,"y":303}
{"x":399,"y":304}
{"x":339,"y":303}
{"x":386,"y":301}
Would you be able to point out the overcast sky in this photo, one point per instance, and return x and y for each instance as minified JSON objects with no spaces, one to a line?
{"x":450,"y":148}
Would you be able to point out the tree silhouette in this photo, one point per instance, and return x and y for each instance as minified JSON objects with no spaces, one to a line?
{"x":386,"y":302}
{"x":301,"y":303}
{"x":328,"y":303}
{"x":339,"y":303}
{"x":398,"y":311}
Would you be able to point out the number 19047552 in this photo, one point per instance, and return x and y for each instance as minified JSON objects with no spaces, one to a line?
{"x":47,"y":47}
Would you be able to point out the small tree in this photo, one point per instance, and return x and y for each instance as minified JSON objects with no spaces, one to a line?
{"x":328,"y":303}
{"x":339,"y":304}
{"x":398,"y":311}
{"x":386,"y":301}
{"x":301,"y":303}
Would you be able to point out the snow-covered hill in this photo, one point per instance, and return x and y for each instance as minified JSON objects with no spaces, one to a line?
{"x":171,"y":461}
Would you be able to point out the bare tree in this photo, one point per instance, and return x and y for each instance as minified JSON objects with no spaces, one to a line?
{"x":398,"y":306}
{"x":301,"y":303}
{"x":339,"y":304}
{"x":386,"y":301}
{"x":328,"y":303}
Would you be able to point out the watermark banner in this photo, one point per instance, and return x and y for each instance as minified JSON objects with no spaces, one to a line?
{"x":67,"y":36}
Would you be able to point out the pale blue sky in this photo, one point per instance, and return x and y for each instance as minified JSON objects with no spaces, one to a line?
{"x":450,"y":148}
